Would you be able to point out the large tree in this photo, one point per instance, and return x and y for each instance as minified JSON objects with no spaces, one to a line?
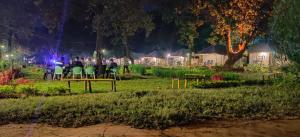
{"x":187,"y":21}
{"x":119,"y":20}
{"x":17,"y":21}
{"x":238,"y":22}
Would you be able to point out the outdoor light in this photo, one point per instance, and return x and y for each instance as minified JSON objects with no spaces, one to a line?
{"x":53,"y":61}
{"x":263,"y":54}
{"x":103,"y":50}
{"x":7,"y":56}
{"x":3,"y":46}
{"x":12,"y":55}
{"x":168,"y":55}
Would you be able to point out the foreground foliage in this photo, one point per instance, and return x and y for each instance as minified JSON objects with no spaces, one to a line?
{"x":154,"y":109}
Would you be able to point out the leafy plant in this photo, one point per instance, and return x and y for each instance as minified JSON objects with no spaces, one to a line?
{"x":27,"y":89}
{"x":6,"y":89}
{"x":59,"y":90}
{"x":138,"y":69}
{"x":230,"y":76}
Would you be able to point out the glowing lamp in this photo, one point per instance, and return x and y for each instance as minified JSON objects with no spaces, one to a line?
{"x":263,"y":54}
{"x":168,"y":55}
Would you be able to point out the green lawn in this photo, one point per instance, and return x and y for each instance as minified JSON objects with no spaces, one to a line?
{"x":151,"y":103}
{"x":154,"y":109}
{"x":100,"y":87}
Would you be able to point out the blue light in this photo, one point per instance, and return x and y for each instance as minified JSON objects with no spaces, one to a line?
{"x":53,"y":61}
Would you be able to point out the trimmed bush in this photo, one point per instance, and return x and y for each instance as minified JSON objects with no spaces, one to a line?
{"x":7,"y":89}
{"x":27,"y":89}
{"x":217,"y":84}
{"x":180,"y":72}
{"x":226,"y":84}
{"x":60,"y":90}
{"x":153,"y":109}
{"x":230,"y":76}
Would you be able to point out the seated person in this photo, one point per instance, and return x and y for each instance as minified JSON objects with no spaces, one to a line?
{"x":89,"y":62}
{"x":112,"y":65}
{"x":77,"y":63}
{"x":60,"y":63}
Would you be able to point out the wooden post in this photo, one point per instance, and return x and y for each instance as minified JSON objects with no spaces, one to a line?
{"x":90,"y":86}
{"x":85,"y":86}
{"x":112,"y":85}
{"x":178,"y":83}
{"x":69,"y":85}
{"x":115,"y":86}
{"x":172,"y":83}
{"x":185,"y":83}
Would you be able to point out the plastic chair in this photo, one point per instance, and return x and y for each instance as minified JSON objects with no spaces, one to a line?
{"x":77,"y":71}
{"x":58,"y":71}
{"x":115,"y":73}
{"x":90,"y":71}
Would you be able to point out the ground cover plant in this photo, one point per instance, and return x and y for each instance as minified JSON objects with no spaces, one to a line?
{"x":154,"y":109}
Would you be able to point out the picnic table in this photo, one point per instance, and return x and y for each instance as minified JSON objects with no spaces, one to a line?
{"x":88,"y":83}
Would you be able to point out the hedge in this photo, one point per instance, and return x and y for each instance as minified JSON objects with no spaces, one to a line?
{"x":180,"y":72}
{"x":226,"y":84}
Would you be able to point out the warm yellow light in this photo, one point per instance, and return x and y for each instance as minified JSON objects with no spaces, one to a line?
{"x":263,"y":54}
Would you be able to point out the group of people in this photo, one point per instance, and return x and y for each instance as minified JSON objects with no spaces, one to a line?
{"x":104,"y":68}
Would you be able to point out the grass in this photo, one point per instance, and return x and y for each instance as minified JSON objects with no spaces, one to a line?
{"x":103,"y":87}
{"x":149,"y":103}
{"x":153,"y":109}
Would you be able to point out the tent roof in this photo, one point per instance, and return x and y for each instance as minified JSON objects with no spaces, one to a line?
{"x":214,"y":49}
{"x":261,"y":47}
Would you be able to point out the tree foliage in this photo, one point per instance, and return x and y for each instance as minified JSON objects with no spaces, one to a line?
{"x":119,"y":20}
{"x":238,"y":22}
{"x":286,"y":29}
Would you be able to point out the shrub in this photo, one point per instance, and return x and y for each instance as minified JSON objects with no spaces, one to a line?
{"x":257,"y":68}
{"x":27,"y":89}
{"x":226,"y":84}
{"x":230,"y":76}
{"x":180,"y":72}
{"x":217,"y":84}
{"x":33,"y":72}
{"x":22,"y":81}
{"x":57,"y":90}
{"x":138,"y":69}
{"x":6,"y":89}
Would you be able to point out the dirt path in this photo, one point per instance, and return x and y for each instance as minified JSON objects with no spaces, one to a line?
{"x":281,"y":128}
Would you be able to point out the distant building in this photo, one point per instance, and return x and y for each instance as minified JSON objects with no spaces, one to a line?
{"x":210,"y":56}
{"x":261,"y":54}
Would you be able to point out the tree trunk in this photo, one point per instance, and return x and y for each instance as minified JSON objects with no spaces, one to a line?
{"x":234,"y":55}
{"x":99,"y":42}
{"x":190,"y":58}
{"x":127,"y":50}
